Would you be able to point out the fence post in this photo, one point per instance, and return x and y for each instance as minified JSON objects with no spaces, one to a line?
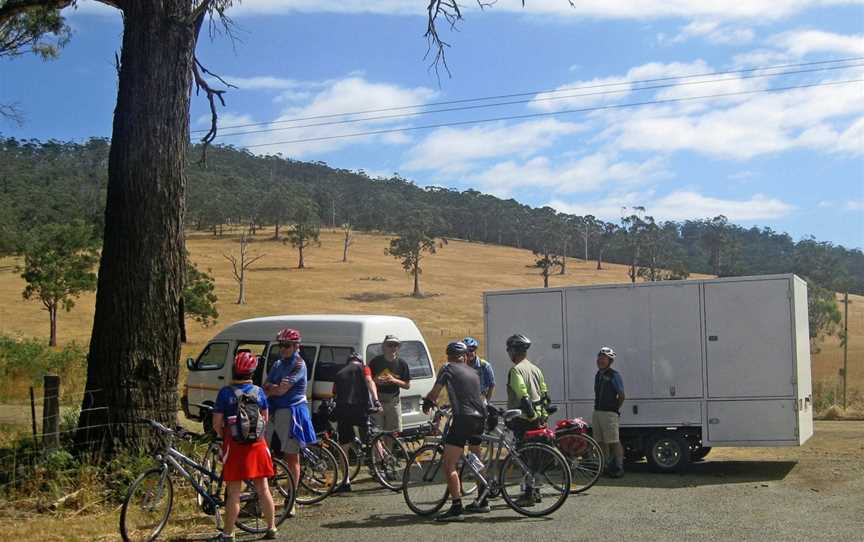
{"x":51,"y":412}
{"x":33,"y":415}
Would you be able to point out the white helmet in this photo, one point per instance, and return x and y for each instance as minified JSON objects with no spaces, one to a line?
{"x":607,"y":351}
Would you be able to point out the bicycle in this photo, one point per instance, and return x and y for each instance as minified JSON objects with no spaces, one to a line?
{"x":534,"y":478}
{"x":383,"y":452}
{"x":150,"y":497}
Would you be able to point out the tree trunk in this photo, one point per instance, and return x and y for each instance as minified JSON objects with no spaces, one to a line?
{"x":52,"y":314}
{"x":300,"y":265}
{"x":132,"y":364}
{"x":241,"y":299}
{"x":546,"y":277}
{"x":417,"y":292}
{"x":599,"y":260}
{"x":345,"y":246}
{"x":276,"y":235}
{"x":182,"y":321}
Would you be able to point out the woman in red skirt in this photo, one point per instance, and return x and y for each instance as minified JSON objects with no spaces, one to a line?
{"x":243,"y":460}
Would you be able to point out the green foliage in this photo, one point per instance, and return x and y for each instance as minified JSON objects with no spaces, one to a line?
{"x":305,"y":226}
{"x":30,"y":359}
{"x":416,"y":237}
{"x":39,"y":30}
{"x":824,"y":314}
{"x":199,"y":295}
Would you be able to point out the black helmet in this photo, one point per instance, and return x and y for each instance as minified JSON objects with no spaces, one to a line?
{"x":518,"y":342}
{"x":457,"y":348}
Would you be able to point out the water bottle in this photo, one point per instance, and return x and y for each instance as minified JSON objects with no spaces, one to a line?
{"x":475,"y":462}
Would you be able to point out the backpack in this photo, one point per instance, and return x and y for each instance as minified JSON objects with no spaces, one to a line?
{"x":249,"y":426}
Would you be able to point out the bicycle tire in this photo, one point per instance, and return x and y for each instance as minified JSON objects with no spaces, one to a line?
{"x":466,"y":475}
{"x":545,"y":477}
{"x":388,"y":467}
{"x":153,"y":483}
{"x":211,"y":460}
{"x":286,"y":490}
{"x":584,"y":457}
{"x":318,"y":478}
{"x":355,"y":452}
{"x":424,"y":484}
{"x":341,"y":459}
{"x":251,"y":519}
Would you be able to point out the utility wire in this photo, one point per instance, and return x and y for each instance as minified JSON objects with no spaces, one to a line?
{"x":549,"y":91}
{"x":553,"y":113}
{"x":532,"y":100}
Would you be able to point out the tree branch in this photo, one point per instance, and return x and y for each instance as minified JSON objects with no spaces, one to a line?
{"x":12,"y":8}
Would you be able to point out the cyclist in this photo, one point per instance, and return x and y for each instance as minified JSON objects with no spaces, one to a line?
{"x":526,"y":387}
{"x":483,"y":368}
{"x":355,"y":393}
{"x":608,"y":398}
{"x":243,"y":461}
{"x":290,"y":426}
{"x":463,"y":390}
{"x":391,"y":374}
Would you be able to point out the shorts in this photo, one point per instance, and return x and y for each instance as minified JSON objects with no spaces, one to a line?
{"x":280,"y":430}
{"x":246,"y":461}
{"x":465,"y":430}
{"x":604,"y":425}
{"x":390,"y":417}
{"x":346,"y":424}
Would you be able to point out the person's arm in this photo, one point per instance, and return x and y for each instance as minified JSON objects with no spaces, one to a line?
{"x":429,"y":400}
{"x":219,"y":424}
{"x":405,"y":373}
{"x":619,"y":389}
{"x":370,"y":384}
{"x":491,"y":374}
{"x":521,"y":390}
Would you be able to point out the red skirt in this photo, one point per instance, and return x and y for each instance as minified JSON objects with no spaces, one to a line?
{"x":246,"y":461}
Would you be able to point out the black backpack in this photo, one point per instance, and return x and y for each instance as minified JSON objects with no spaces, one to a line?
{"x":249,"y":426}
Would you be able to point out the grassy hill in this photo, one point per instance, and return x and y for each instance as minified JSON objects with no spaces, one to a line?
{"x":372,"y":283}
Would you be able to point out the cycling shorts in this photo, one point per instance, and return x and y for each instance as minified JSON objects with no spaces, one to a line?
{"x":465,"y":430}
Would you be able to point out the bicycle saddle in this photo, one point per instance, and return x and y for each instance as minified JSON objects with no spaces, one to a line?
{"x":512,"y":413}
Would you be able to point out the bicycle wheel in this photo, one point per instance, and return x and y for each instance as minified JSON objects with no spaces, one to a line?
{"x":535,"y":479}
{"x":212,"y":461}
{"x":584,"y":457}
{"x":281,"y":485}
{"x":424,"y":484}
{"x":467,"y":477}
{"x":147,"y":506}
{"x":318,"y":475}
{"x":284,"y":490}
{"x":341,"y":460}
{"x":389,"y":457}
{"x":355,"y":452}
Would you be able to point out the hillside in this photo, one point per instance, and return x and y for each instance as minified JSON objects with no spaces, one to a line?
{"x":373,"y":283}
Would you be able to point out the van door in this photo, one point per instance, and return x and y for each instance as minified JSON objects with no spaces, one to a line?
{"x":330,"y":360}
{"x":208,"y":376}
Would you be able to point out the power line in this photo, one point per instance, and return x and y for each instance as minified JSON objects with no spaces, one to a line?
{"x":548,"y":91}
{"x":515,"y":102}
{"x":553,"y":113}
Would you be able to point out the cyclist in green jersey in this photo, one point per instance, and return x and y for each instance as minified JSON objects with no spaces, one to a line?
{"x":526,"y":388}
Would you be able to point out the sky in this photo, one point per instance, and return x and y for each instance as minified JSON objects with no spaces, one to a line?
{"x":688,"y":108}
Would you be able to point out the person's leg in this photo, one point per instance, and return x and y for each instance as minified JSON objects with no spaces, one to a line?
{"x":265,"y":500}
{"x":293,"y":462}
{"x":232,"y":506}
{"x":451,"y":458}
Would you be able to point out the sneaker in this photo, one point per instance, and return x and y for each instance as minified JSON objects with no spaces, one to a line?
{"x":342,"y":488}
{"x":527,"y":500}
{"x":478,"y":508}
{"x":225,"y":537}
{"x":271,"y":534}
{"x":453,"y":514}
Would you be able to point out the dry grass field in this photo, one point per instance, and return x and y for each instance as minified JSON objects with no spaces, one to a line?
{"x":372,"y":283}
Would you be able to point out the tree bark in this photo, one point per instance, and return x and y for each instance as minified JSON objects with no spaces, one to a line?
{"x":132,"y":364}
{"x":300,"y":265}
{"x":52,"y":314}
{"x":241,"y":299}
{"x":417,"y":292}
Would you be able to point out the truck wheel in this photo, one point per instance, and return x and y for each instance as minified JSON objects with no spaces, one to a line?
{"x":699,"y":453}
{"x":668,"y":451}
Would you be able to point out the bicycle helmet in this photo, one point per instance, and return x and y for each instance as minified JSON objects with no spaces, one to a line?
{"x":607,"y":351}
{"x":471,"y":343}
{"x":288,"y":336}
{"x":355,"y":356}
{"x":518,"y":342}
{"x":456,"y":348}
{"x":245,"y":363}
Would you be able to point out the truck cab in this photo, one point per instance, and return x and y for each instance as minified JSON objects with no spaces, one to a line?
{"x":328,"y":340}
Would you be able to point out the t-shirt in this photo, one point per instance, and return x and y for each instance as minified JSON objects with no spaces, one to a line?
{"x":398,"y":368}
{"x":607,"y":386}
{"x":485,"y":372}
{"x":349,"y":386}
{"x":226,"y":400}
{"x":294,"y":370}
{"x":463,"y":389}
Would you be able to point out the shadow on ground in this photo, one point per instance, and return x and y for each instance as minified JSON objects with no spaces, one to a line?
{"x":378,"y":521}
{"x":708,"y":473}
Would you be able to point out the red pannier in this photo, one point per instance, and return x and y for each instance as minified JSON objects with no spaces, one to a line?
{"x":542,"y":434}
{"x":573,"y":425}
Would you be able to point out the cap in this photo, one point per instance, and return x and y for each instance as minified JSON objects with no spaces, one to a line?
{"x":392,"y":339}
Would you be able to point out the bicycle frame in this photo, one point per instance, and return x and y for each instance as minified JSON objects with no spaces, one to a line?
{"x":172,"y":458}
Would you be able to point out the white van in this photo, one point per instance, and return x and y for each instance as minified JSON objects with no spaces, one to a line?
{"x":328,"y":340}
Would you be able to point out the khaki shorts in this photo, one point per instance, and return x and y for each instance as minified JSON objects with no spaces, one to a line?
{"x":605,"y":426}
{"x":390,"y":417}
{"x":281,"y":425}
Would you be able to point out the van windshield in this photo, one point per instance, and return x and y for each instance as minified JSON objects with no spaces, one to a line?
{"x":414,"y":354}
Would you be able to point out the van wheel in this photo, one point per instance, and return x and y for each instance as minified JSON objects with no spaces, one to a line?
{"x":699,"y":453}
{"x":668,"y":451}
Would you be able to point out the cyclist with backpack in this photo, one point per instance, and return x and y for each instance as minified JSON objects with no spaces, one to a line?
{"x":239,"y":417}
{"x":290,"y":426}
{"x":356,"y":396}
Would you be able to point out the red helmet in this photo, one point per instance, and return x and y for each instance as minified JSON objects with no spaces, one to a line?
{"x":245,"y":363}
{"x":288,"y":335}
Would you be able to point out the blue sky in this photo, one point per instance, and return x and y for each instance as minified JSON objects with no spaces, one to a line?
{"x":791,"y":160}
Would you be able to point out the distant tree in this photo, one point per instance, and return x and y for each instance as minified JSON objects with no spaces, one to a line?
{"x":632,"y":233}
{"x":241,"y":264}
{"x":416,"y":237}
{"x":58,"y":267}
{"x":199,"y":297}
{"x":347,"y":239}
{"x":305,"y":230}
{"x":662,"y":256}
{"x":275,"y":209}
{"x":715,"y":239}
{"x":547,"y":262}
{"x":823,"y":314}
{"x":603,"y":235}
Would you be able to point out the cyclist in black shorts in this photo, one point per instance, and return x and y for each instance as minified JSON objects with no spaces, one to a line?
{"x":463,"y":389}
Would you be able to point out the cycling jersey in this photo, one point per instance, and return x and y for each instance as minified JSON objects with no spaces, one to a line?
{"x":526,"y":380}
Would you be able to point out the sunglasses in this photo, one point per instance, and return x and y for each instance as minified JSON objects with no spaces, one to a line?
{"x":392,"y":345}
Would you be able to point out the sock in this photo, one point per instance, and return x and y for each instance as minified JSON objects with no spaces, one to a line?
{"x":456,"y":504}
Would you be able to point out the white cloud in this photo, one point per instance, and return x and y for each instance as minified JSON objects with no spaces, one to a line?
{"x":454,"y":149}
{"x":855,"y":205}
{"x":681,"y":205}
{"x":714,"y":32}
{"x":270,"y":82}
{"x":803,"y":42}
{"x":582,"y":175}
{"x":338,"y":97}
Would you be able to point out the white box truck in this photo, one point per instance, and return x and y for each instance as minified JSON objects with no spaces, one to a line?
{"x":720,"y":362}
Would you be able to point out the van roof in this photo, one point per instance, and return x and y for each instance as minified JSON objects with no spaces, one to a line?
{"x":321,"y":325}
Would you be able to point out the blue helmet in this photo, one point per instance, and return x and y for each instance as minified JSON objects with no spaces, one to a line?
{"x":471,"y":343}
{"x":456,"y":348}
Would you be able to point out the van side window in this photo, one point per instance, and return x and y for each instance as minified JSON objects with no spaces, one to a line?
{"x":330,"y":360}
{"x":306,"y":352}
{"x":213,"y":357}
{"x":412,"y":352}
{"x":257,"y":349}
